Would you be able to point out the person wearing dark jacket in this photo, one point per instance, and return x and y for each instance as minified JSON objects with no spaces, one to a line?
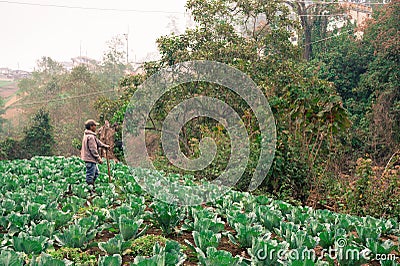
{"x":90,"y":152}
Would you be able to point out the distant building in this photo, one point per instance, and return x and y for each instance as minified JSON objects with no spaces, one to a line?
{"x":4,"y":71}
{"x":136,"y":68}
{"x":9,"y":74}
{"x":19,"y":74}
{"x":90,"y":63}
{"x":357,"y":12}
{"x":67,"y":66}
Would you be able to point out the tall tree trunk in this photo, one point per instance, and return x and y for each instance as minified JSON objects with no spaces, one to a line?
{"x":307,"y":42}
{"x":305,"y":13}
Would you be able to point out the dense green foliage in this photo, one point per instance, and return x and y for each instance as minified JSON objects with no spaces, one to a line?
{"x":365,"y":72}
{"x":38,"y":139}
{"x":39,"y":135}
{"x":308,"y":112}
{"x":144,"y":245}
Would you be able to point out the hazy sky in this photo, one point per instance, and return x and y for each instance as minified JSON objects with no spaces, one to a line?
{"x":29,"y":32}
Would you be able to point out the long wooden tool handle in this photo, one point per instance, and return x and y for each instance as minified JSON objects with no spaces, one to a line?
{"x":108,"y":166}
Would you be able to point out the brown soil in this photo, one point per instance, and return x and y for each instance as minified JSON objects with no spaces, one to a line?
{"x":153,"y":231}
{"x":180,"y":238}
{"x":127,"y":259}
{"x":226,"y":244}
{"x":8,"y":90}
{"x":103,"y":236}
{"x":3,"y":230}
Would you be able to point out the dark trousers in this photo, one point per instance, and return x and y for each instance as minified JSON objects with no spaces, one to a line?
{"x":92,"y":172}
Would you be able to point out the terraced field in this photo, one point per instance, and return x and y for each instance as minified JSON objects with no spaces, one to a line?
{"x":50,"y":218}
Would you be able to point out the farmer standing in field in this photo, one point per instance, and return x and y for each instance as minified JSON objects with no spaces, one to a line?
{"x":90,"y":152}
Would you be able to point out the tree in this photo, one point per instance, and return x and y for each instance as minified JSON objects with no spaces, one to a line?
{"x":254,"y":37}
{"x":381,"y":81}
{"x":68,"y":97}
{"x":342,"y":62}
{"x":48,"y":66}
{"x":38,"y":136}
{"x":365,"y":72}
{"x":315,"y":17}
{"x":114,"y":61}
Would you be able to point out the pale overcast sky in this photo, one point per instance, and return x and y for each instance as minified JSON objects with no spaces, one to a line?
{"x":29,"y":32}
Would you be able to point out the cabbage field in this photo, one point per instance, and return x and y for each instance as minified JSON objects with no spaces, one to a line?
{"x":50,"y":218}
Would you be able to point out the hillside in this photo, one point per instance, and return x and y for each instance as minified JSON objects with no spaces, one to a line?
{"x":8,"y":88}
{"x":8,"y":91}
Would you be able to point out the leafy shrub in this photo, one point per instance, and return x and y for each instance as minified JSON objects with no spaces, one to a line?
{"x":38,"y":137}
{"x":143,"y":245}
{"x":75,"y":255}
{"x":375,"y":191}
{"x":168,"y":255}
{"x":10,"y":149}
